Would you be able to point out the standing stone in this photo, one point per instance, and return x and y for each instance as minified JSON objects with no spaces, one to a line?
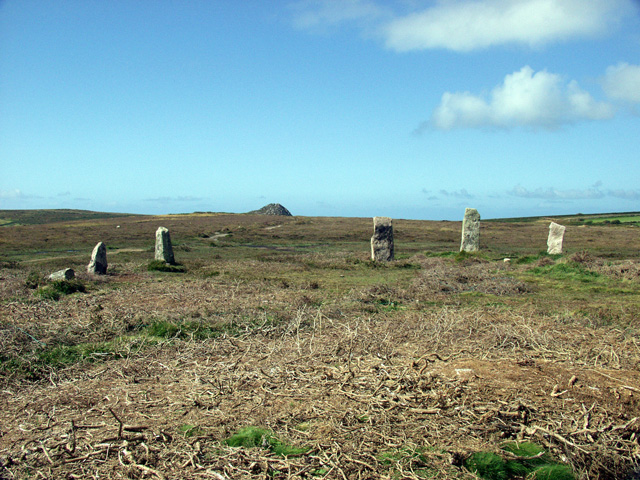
{"x":66,"y":274}
{"x":98,"y":262}
{"x":556,"y":236}
{"x":164,"y":251}
{"x":470,"y":231}
{"x":382,"y":240}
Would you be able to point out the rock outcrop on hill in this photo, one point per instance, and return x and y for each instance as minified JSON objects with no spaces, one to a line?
{"x":273,"y":209}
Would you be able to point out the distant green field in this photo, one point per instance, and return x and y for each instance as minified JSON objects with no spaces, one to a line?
{"x":628,"y":218}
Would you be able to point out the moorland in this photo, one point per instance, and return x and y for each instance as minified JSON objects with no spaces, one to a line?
{"x":276,"y":349}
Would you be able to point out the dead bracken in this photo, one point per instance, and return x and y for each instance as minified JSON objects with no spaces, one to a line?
{"x":332,"y":366}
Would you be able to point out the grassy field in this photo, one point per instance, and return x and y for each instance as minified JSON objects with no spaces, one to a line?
{"x":279,"y":350}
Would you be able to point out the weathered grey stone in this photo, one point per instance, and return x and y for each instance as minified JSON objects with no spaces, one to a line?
{"x":98,"y":262}
{"x":164,"y":250}
{"x":470,"y":231}
{"x":66,"y":274}
{"x":382,"y":240}
{"x":556,"y":236}
{"x":273,"y":209}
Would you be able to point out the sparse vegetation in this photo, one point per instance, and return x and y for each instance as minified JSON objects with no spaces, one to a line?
{"x":160,"y":266}
{"x":346,"y":368}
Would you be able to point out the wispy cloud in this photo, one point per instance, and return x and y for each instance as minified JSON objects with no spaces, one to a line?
{"x":525,"y":98}
{"x":466,"y":25}
{"x":471,"y":24}
{"x":15,"y":194}
{"x":551,"y":193}
{"x":625,"y":194}
{"x":317,"y":15}
{"x":462,"y":193}
{"x":174,"y":199}
{"x":622,"y":82}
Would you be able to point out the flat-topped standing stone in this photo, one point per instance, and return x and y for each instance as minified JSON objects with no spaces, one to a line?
{"x":382,"y":240}
{"x":66,"y":274}
{"x":470,"y":231}
{"x":556,"y":236}
{"x":98,"y":262}
{"x":164,"y":251}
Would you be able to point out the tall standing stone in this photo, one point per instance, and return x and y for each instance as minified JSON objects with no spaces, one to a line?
{"x":556,"y":236}
{"x":98,"y":262}
{"x":470,"y":231}
{"x":382,"y":240}
{"x":164,"y":251}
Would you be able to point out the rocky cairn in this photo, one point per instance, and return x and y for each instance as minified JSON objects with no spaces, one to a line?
{"x":382,"y":240}
{"x":272,"y":209}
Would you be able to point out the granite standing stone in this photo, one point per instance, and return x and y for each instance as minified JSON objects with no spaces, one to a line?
{"x":66,"y":274}
{"x":382,"y":240}
{"x":556,"y":236}
{"x":164,"y":251}
{"x":98,"y":262}
{"x":470,"y":231}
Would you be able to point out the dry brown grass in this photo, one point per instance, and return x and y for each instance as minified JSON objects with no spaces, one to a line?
{"x":362,"y":364}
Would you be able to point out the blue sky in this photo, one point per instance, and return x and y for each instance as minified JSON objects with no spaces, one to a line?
{"x":409,"y":109}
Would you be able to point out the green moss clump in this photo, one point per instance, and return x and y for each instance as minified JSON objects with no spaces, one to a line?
{"x":250,"y":437}
{"x":532,"y":462}
{"x":553,"y":472}
{"x":487,"y":465}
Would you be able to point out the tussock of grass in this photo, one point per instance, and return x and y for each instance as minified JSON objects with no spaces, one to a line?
{"x":58,"y":288}
{"x":195,"y":329}
{"x":160,"y":266}
{"x":566,"y":271}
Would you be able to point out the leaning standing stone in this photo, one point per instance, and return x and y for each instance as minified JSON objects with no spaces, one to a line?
{"x":556,"y":236}
{"x":66,"y":274}
{"x":164,"y":251}
{"x":382,"y":240}
{"x":98,"y":262}
{"x":470,"y":231}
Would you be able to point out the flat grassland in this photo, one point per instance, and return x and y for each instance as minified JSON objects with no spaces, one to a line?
{"x":345,"y":368}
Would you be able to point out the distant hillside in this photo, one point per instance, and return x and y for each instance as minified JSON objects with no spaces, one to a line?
{"x":41,"y":217}
{"x":627,"y":218}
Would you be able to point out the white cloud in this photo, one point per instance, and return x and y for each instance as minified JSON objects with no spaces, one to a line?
{"x":525,"y":98}
{"x":317,"y":14}
{"x":554,"y":195}
{"x":625,"y":194}
{"x":465,"y":25}
{"x":462,"y":193}
{"x":622,"y":82}
{"x":15,"y":194}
